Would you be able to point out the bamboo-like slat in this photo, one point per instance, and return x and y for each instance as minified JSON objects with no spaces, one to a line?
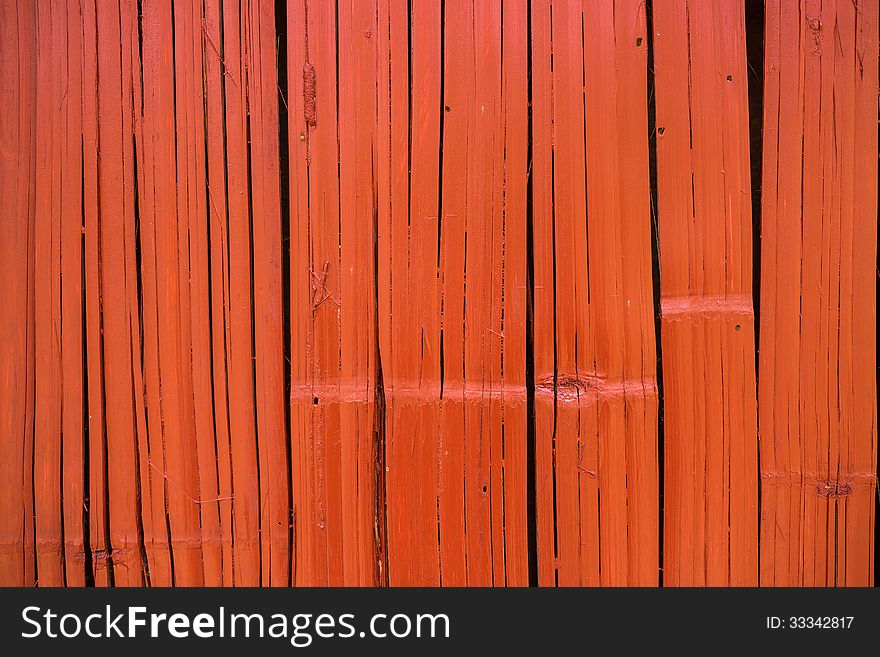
{"x":708,"y":332}
{"x":817,"y":385}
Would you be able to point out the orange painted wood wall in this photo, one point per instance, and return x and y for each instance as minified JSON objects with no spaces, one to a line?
{"x":454,"y":292}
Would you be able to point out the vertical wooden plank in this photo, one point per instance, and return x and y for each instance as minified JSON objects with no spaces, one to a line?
{"x":17,"y":136}
{"x":641,"y":403}
{"x":325,"y":504}
{"x":195,"y":327}
{"x":607,"y":458}
{"x":411,"y":344}
{"x":117,"y":214}
{"x":458,"y":97}
{"x":333,"y":314}
{"x":818,"y":428}
{"x":98,"y":530}
{"x":358,"y":64}
{"x":511,"y":315}
{"x":334,"y":418}
{"x":72,"y":408}
{"x":177,"y":471}
{"x":708,"y":321}
{"x":151,"y":449}
{"x":861,"y":324}
{"x":245,"y":478}
{"x":300,"y":96}
{"x":481,"y":426}
{"x":268,"y":312}
{"x":574,"y":420}
{"x":47,"y":299}
{"x":620,"y":285}
{"x":454,"y":170}
{"x":151,"y":527}
{"x":784,"y":95}
{"x":595,"y":377}
{"x":544,"y":285}
{"x":218,"y":239}
{"x":187,"y":483}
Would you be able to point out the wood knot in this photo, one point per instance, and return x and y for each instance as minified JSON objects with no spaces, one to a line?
{"x":833,"y":489}
{"x":572,"y":383}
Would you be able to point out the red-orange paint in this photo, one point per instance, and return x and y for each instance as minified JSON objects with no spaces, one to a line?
{"x":704,"y":217}
{"x":361,"y":293}
{"x":817,"y":386}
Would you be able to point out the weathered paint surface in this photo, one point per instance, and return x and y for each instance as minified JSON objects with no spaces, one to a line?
{"x":364,"y":293}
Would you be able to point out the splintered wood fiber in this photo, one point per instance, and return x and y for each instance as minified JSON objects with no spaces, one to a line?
{"x":438,"y":293}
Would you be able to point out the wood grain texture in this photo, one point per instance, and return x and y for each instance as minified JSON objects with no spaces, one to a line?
{"x":18,"y":45}
{"x":710,"y":489}
{"x":452,"y":232}
{"x":817,"y":385}
{"x":595,"y":367}
{"x":363,"y":293}
{"x":333,"y":162}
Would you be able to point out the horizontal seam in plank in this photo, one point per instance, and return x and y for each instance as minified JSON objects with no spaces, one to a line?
{"x":674,"y":308}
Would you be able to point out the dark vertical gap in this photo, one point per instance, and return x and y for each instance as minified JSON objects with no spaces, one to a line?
{"x":106,"y":551}
{"x":555,"y":315}
{"x":588,"y":280}
{"x":876,"y":451}
{"x":338,"y":178}
{"x":31,"y":430}
{"x":63,"y":537}
{"x":501,"y":78}
{"x":209,"y":248}
{"x":164,"y":452}
{"x":380,"y":512}
{"x":754,"y":22}
{"x":30,"y":339}
{"x":754,"y":18}
{"x":140,"y":356}
{"x":284,"y":181}
{"x":221,"y":24}
{"x":531,"y":480}
{"x":138,"y":111}
{"x":441,"y":138}
{"x":655,"y":277}
{"x":409,"y":106}
{"x":108,"y":546}
{"x":86,"y":519}
{"x":246,"y":47}
{"x":443,"y":110}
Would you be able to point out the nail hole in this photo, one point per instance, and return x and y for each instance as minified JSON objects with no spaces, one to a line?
{"x":638,"y":42}
{"x":729,"y":78}
{"x":485,"y":489}
{"x":315,"y":401}
{"x":660,"y":131}
{"x":446,"y":108}
{"x":738,"y":327}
